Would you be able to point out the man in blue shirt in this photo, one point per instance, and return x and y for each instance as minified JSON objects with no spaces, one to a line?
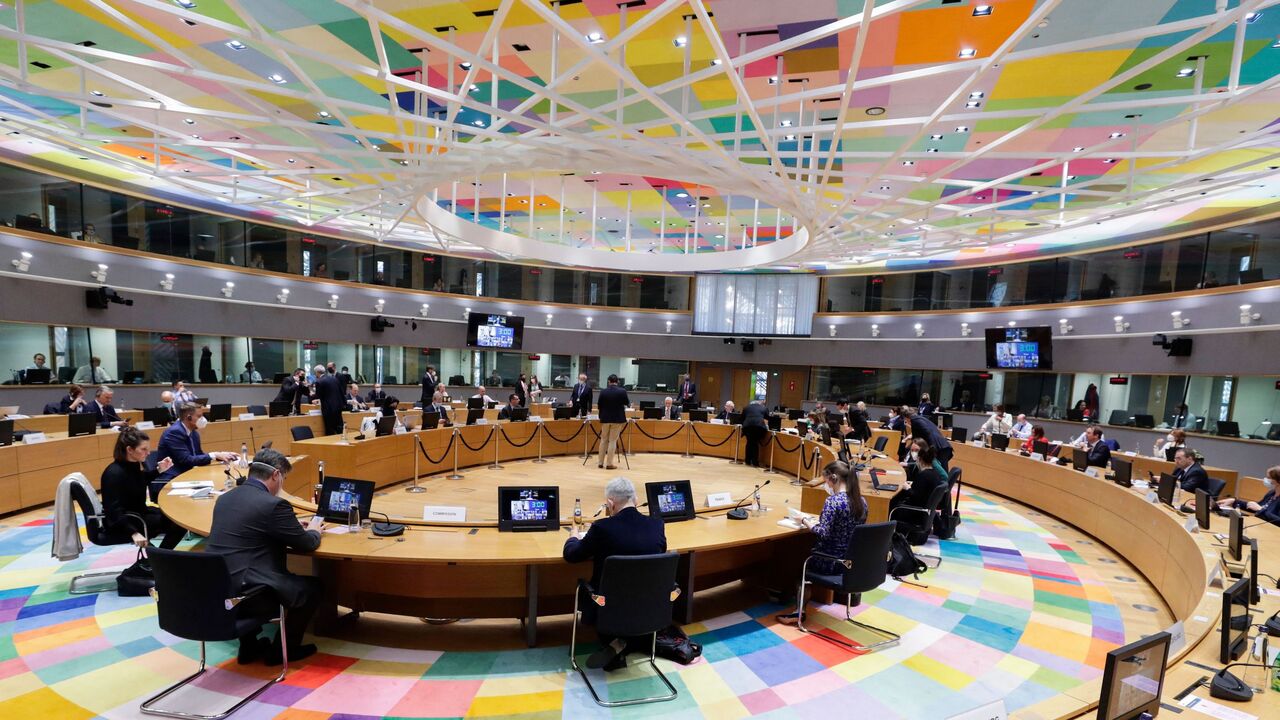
{"x":181,"y":443}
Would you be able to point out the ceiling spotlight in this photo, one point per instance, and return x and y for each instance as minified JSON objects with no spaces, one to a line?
{"x":478,"y":123}
{"x":189,"y":121}
{"x":976,"y":95}
{"x":935,"y":136}
{"x":908,"y":163}
{"x":1247,"y":317}
{"x":1013,"y":323}
{"x":283,"y":296}
{"x":1178,"y":320}
{"x":167,"y":282}
{"x":550,"y":317}
{"x":875,"y":330}
{"x":333,"y":302}
{"x":773,"y":79}
{"x":680,"y":41}
{"x":682,"y":195}
{"x":277,"y":78}
{"x":785,"y":123}
{"x":967,"y":52}
{"x":1116,"y":135}
{"x":1110,"y":161}
{"x":788,"y":137}
{"x":875,"y":110}
{"x":1064,"y":326}
{"x":23,"y":262}
{"x":588,"y":322}
{"x":379,"y":305}
{"x":962,"y":128}
{"x":185,"y":4}
{"x":595,"y":37}
{"x":1252,"y":17}
{"x":100,"y":274}
{"x":628,"y":323}
{"x":229,"y":289}
{"x":931,"y":150}
{"x":235,"y":45}
{"x":919,"y":330}
{"x":1186,"y":72}
{"x":831,"y":330}
{"x":668,"y":327}
{"x":965,"y":330}
{"x":973,"y":104}
{"x":96,"y":93}
{"x":466,"y":313}
{"x":426,"y":308}
{"x":1121,"y":325}
{"x":716,"y":61}
{"x":981,"y":10}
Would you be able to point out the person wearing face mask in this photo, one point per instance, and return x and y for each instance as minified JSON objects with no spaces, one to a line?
{"x":1177,"y":438}
{"x":181,"y":443}
{"x":1268,"y":508}
{"x":842,"y":511}
{"x":924,"y":474}
{"x":624,"y":532}
{"x":124,"y":493}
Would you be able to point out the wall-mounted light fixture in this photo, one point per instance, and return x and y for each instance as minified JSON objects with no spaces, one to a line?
{"x":1121,"y":325}
{"x":875,"y":330}
{"x":426,"y":308}
{"x":333,"y":302}
{"x":1247,"y":316}
{"x":919,"y":330}
{"x":229,"y":289}
{"x":283,"y":296}
{"x":100,"y":274}
{"x":1065,"y":327}
{"x":166,"y":283}
{"x":831,"y":330}
{"x":23,"y":262}
{"x":965,"y":330}
{"x":1178,"y":320}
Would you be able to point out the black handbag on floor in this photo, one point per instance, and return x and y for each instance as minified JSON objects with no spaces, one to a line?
{"x":675,"y":645}
{"x":137,"y":579}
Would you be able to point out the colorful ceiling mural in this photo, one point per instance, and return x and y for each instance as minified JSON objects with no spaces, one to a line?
{"x":894,"y":133}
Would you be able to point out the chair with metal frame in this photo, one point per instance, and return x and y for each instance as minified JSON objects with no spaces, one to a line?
{"x":862,"y":569}
{"x":195,"y":601}
{"x":635,"y":598}
{"x":922,"y":523}
{"x":93,"y":515}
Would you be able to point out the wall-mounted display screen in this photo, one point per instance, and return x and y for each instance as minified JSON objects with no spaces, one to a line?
{"x":496,"y":332}
{"x":1020,"y":348}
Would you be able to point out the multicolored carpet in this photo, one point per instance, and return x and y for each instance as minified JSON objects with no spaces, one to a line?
{"x":1012,"y":613}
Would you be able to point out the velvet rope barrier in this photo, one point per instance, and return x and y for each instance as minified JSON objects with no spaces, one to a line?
{"x":694,"y":428}
{"x":492,"y":431}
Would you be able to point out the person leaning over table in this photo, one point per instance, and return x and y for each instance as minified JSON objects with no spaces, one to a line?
{"x":181,"y":443}
{"x":920,"y":427}
{"x":924,"y":474}
{"x":624,"y":531}
{"x":755,"y":427}
{"x":124,"y":491}
{"x":252,"y":528}
{"x":842,"y":511}
{"x":1268,"y":508}
{"x":72,"y":401}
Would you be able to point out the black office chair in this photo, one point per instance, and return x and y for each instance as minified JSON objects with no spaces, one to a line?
{"x":456,"y":380}
{"x":862,"y":569}
{"x":390,"y":380}
{"x":1215,"y":488}
{"x":301,"y":432}
{"x":92,"y":515}
{"x":66,"y":375}
{"x":257,"y":409}
{"x":195,"y":601}
{"x":881,"y":443}
{"x":919,"y":520}
{"x":52,"y":409}
{"x":635,"y":597}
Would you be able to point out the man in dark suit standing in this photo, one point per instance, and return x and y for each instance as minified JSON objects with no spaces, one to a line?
{"x":1099,"y":452}
{"x":1189,"y":474}
{"x":919,"y":426}
{"x":429,"y":382}
{"x":623,"y":532}
{"x":581,"y":397}
{"x":252,"y":528}
{"x":688,"y":390}
{"x":292,"y":389}
{"x":755,"y":426}
{"x":613,"y":404}
{"x":332,"y":399}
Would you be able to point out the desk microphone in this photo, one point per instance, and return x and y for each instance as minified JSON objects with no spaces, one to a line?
{"x":252,"y":442}
{"x":737,"y":513}
{"x":386,"y":529}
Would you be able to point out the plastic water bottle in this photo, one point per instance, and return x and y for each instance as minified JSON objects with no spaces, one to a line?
{"x":577,"y":513}
{"x":244,"y":456}
{"x":353,"y":517}
{"x":759,"y":508}
{"x":315,"y":492}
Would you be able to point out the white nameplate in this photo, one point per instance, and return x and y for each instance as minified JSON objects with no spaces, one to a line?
{"x":1130,"y":454}
{"x":991,"y":711}
{"x":1177,"y":637}
{"x":400,"y":430}
{"x":716,"y":421}
{"x":976,"y":443}
{"x":719,"y":499}
{"x":1037,"y":456}
{"x":1192,"y":525}
{"x":537,"y":418}
{"x":1093,"y":471}
{"x":246,"y":416}
{"x":33,"y":438}
{"x":449,"y":513}
{"x":145,"y":425}
{"x":313,"y":412}
{"x":1153,"y":498}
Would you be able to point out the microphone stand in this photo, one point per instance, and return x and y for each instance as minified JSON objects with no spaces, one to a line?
{"x":414,"y":488}
{"x":457,"y":441}
{"x":737,"y":513}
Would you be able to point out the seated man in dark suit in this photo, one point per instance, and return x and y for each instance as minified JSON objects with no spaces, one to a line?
{"x":252,"y":528}
{"x":1189,"y":474}
{"x":181,"y":443}
{"x":508,"y":410}
{"x":725,"y":412}
{"x":102,"y":409}
{"x":670,"y":410}
{"x":1099,"y":451}
{"x":624,"y":532}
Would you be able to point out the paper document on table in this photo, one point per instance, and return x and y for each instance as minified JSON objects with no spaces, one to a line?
{"x":191,"y":484}
{"x":1213,"y":709}
{"x":183,"y":492}
{"x":795,"y":514}
{"x":791,"y":523}
{"x":337,"y":530}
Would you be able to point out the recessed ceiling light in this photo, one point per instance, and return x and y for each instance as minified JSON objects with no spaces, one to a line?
{"x":1252,"y":17}
{"x":785,"y":123}
{"x":932,"y":150}
{"x":788,"y":137}
{"x":908,"y":163}
{"x":95,"y":93}
{"x":1077,"y":149}
{"x":682,"y":195}
{"x":773,"y":79}
{"x":464,"y":65}
{"x":968,"y":52}
{"x":276,"y":78}
{"x":189,"y":121}
{"x":975,"y":95}
{"x":1186,"y":72}
{"x":478,"y":123}
{"x":973,"y":104}
{"x":875,"y":110}
{"x":186,"y":4}
{"x":884,"y":187}
{"x":292,"y":160}
{"x":935,"y":136}
{"x":716,"y":61}
{"x":1071,"y":177}
{"x":680,"y":41}
{"x":235,"y":45}
{"x":962,"y":128}
{"x":474,"y":87}
{"x":595,"y":37}
{"x":1109,"y":161}
{"x":1116,"y":135}
{"x":324,"y":114}
{"x":981,"y":10}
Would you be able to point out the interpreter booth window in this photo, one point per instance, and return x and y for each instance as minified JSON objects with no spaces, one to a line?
{"x":1245,"y":254}
{"x":19,"y":344}
{"x":657,"y":375}
{"x":416,"y":361}
{"x":39,"y":203}
{"x":145,"y":357}
{"x":1257,"y":407}
{"x":561,"y":374}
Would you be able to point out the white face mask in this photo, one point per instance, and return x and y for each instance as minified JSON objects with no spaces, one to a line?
{"x":202,"y":422}
{"x":914,"y":456}
{"x":1267,"y":482}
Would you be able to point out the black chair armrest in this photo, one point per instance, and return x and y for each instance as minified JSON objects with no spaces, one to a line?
{"x":255,"y":591}
{"x":909,"y":508}
{"x":136,"y":519}
{"x":845,"y":562}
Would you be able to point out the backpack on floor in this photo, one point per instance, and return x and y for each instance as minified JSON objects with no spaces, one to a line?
{"x":903,"y":560}
{"x":675,"y":645}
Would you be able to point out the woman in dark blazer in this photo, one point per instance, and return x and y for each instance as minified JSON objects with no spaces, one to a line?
{"x":923,"y":476}
{"x":124,"y":493}
{"x":72,"y":401}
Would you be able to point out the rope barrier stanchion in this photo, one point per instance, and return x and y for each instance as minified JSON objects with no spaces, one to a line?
{"x":456,"y":475}
{"x":688,"y":438}
{"x":586,"y":452}
{"x":817,"y":452}
{"x":415,"y":488}
{"x":799,"y":464}
{"x":773,"y":439}
{"x":539,"y":432}
{"x":737,"y":438}
{"x":494,"y":434}
{"x":622,"y":445}
{"x":586,"y":449}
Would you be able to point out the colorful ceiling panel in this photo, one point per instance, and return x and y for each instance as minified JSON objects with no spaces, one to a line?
{"x":838,"y":135}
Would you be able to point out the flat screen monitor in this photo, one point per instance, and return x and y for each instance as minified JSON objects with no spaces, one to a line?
{"x":528,"y":509}
{"x":1144,"y":421}
{"x":1020,"y":348}
{"x":652,"y":413}
{"x":337,"y":495}
{"x":1075,"y":415}
{"x":688,"y":405}
{"x":519,"y":414}
{"x":1133,"y":678}
{"x":279,"y":408}
{"x":1235,"y":621}
{"x":1040,"y":446}
{"x":219,"y":412}
{"x":1228,"y":428}
{"x":430,"y":420}
{"x":495,"y":332}
{"x":202,"y":402}
{"x":775,"y":422}
{"x":999,"y":441}
{"x":81,"y":424}
{"x":794,"y":415}
{"x":959,"y":434}
{"x":279,"y":377}
{"x":648,"y":404}
{"x":6,"y":432}
{"x":156,"y":416}
{"x":475,"y":402}
{"x":671,"y":500}
{"x":474,"y":414}
{"x":563,"y":413}
{"x":802,"y":427}
{"x":37,"y":376}
{"x":133,"y":377}
{"x":1124,"y":472}
{"x":697,"y":415}
{"x":1079,"y":459}
{"x":1169,"y":452}
{"x":386,"y":426}
{"x":735,"y":418}
{"x":1255,"y":591}
{"x":1202,"y":509}
{"x":1165,"y":490}
{"x":1235,"y":534}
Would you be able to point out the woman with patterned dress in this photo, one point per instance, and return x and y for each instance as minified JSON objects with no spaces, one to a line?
{"x":842,"y":511}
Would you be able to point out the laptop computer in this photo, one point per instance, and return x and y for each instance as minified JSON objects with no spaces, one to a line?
{"x":653,"y":413}
{"x":6,"y":432}
{"x":218,"y":412}
{"x":697,"y":415}
{"x":337,"y":495}
{"x":1079,"y":458}
{"x":563,"y":413}
{"x":386,"y":426}
{"x":475,"y":402}
{"x":1123,"y":472}
{"x":7,"y":410}
{"x":1164,"y":491}
{"x":474,"y":414}
{"x":430,"y":420}
{"x":875,"y":482}
{"x":37,"y":376}
{"x":519,"y":414}
{"x":279,"y":408}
